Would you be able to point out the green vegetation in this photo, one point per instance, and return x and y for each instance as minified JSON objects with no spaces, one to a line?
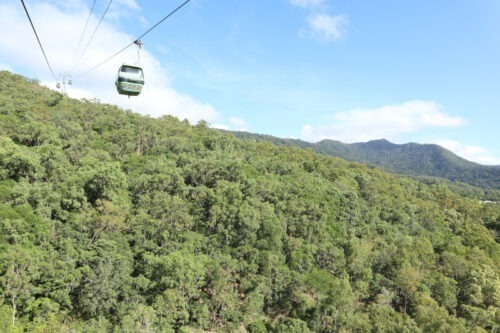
{"x":115,"y":222}
{"x":423,"y":160}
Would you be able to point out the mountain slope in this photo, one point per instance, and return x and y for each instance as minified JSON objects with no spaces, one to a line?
{"x":115,"y":222}
{"x":410,"y":159}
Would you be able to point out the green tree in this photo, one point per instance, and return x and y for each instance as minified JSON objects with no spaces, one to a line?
{"x":18,"y":271}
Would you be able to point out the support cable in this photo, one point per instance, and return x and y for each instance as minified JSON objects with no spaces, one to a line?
{"x":39,"y":42}
{"x":83,"y":34}
{"x":93,"y":34}
{"x":136,"y":41}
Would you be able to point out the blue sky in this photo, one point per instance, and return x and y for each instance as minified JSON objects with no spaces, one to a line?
{"x":408,"y":71}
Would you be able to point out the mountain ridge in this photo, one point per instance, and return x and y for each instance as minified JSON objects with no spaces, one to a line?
{"x":412,"y":158}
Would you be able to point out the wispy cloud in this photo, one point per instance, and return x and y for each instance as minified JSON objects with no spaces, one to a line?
{"x":235,"y":124}
{"x":470,"y":152}
{"x":20,"y":51}
{"x":307,"y":3}
{"x":122,"y":9}
{"x":4,"y":67}
{"x":387,"y":122}
{"x":321,"y":25}
{"x":238,"y":123}
{"x":132,"y":4}
{"x":324,"y":27}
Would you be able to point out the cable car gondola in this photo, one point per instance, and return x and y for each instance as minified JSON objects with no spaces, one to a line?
{"x":130,"y":80}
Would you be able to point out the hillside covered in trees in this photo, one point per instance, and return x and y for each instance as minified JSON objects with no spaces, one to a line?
{"x":115,"y":222}
{"x":413,"y":159}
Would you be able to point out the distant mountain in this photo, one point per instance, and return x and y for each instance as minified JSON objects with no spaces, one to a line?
{"x":410,"y":159}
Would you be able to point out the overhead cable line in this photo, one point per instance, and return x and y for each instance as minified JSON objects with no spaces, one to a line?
{"x":161,"y":21}
{"x":83,"y":33}
{"x":38,"y":39}
{"x":93,"y":34}
{"x":137,"y":40}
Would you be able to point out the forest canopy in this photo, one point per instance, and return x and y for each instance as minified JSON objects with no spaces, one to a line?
{"x":116,"y":222}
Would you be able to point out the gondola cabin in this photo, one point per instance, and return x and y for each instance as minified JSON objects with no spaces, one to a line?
{"x":130,"y":80}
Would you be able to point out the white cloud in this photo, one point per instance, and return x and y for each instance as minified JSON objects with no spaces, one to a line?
{"x":321,"y":25}
{"x":4,"y":67}
{"x":387,"y":122}
{"x":59,"y":29}
{"x":307,"y":3}
{"x":469,"y":152}
{"x":121,"y":9}
{"x":324,"y":27}
{"x":236,"y":124}
{"x":239,"y":124}
{"x":132,"y":4}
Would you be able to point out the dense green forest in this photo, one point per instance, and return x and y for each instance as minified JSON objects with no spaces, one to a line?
{"x":115,"y":222}
{"x":423,"y":160}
